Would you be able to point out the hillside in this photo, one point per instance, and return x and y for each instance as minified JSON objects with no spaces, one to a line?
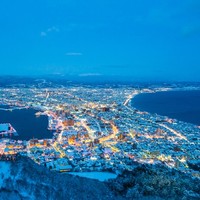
{"x":24,"y":179}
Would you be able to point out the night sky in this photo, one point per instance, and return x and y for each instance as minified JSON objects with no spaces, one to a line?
{"x":142,"y":39}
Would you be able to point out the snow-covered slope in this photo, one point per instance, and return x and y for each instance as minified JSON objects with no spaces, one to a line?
{"x":23,"y":179}
{"x":4,"y":172}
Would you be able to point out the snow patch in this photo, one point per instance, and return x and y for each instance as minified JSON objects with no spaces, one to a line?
{"x":101,"y":176}
{"x":4,"y":172}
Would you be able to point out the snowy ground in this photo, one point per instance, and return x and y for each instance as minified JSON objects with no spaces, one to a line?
{"x":101,"y":176}
{"x":4,"y":171}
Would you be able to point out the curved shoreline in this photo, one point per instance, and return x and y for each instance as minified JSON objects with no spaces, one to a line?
{"x":40,"y":133}
{"x":131,"y":104}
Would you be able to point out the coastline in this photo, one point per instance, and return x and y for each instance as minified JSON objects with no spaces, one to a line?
{"x":21,"y":127}
{"x":139,"y":136}
{"x":162,"y":90}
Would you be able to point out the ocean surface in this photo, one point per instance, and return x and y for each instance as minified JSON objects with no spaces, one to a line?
{"x":181,"y":105}
{"x":26,"y":124}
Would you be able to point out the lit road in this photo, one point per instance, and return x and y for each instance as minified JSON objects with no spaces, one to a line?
{"x":90,"y":132}
{"x":62,"y":154}
{"x":111,"y":136}
{"x":175,"y":132}
{"x":130,"y":97}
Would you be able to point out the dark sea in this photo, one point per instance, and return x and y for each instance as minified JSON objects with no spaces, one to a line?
{"x":181,"y":105}
{"x":27,"y":125}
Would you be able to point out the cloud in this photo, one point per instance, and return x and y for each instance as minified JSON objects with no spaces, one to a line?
{"x":49,"y":30}
{"x":73,"y":54}
{"x":53,"y":29}
{"x":90,"y":74}
{"x":43,"y":34}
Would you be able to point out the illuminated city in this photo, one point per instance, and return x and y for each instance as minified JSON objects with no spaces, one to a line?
{"x":96,"y":129}
{"x":100,"y":100}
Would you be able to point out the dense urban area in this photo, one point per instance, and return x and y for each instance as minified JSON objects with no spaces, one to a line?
{"x":96,"y":129}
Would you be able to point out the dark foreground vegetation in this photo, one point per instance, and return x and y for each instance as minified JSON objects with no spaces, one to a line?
{"x":27,"y":180}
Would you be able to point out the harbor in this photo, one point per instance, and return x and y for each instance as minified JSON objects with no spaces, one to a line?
{"x":97,"y":130}
{"x":25,"y":122}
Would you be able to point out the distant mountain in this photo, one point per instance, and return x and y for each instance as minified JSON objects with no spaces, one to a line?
{"x":56,"y":80}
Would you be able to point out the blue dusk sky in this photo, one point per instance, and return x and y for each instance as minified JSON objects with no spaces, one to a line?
{"x":142,"y":39}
